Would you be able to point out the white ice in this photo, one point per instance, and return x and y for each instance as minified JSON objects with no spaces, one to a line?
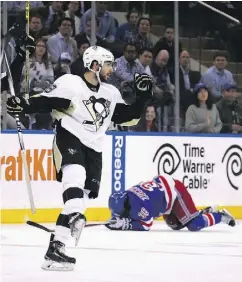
{"x":161,"y":255}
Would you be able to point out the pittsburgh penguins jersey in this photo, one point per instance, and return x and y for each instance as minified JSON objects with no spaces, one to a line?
{"x":90,"y":111}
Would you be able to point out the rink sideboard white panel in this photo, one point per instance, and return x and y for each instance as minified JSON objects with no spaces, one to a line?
{"x":211,"y":168}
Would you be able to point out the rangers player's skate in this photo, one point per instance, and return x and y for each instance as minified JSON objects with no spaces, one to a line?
{"x":227,"y":218}
{"x":55,"y":258}
{"x":77,"y":222}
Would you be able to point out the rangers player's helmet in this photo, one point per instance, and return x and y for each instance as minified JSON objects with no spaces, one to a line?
{"x":97,"y":53}
{"x":119,"y":204}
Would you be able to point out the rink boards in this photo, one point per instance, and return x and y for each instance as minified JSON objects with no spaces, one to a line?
{"x":209,"y":165}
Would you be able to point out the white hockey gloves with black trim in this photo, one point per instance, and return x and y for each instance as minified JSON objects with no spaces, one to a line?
{"x":117,"y":223}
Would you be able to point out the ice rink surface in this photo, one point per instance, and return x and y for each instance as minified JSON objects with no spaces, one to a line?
{"x":160,"y":255}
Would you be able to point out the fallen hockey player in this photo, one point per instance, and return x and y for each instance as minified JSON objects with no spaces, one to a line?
{"x":137,"y":207}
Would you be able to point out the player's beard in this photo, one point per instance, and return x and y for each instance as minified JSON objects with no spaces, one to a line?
{"x":104,"y":78}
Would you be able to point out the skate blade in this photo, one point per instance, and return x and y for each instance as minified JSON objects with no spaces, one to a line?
{"x":50,"y":265}
{"x":233,"y":222}
{"x":78,"y":230}
{"x":227,"y":212}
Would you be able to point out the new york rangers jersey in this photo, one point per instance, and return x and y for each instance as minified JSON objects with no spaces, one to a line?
{"x":149,"y":200}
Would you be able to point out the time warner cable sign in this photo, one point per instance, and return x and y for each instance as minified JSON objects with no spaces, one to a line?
{"x":195,"y":165}
{"x":198,"y":162}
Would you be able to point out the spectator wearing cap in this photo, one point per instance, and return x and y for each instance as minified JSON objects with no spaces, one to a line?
{"x":73,"y":7}
{"x":202,"y":116}
{"x":126,"y":30}
{"x":230,"y":111}
{"x":77,"y":67}
{"x":62,"y":41}
{"x":217,"y":76}
{"x":63,"y":65}
{"x":107,"y":28}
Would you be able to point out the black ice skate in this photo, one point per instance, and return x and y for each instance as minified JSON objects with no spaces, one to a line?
{"x":55,"y":258}
{"x":227,"y":217}
{"x":77,"y":222}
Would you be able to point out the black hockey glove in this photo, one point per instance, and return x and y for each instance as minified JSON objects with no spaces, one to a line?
{"x":16,"y":105}
{"x":117,"y":223}
{"x":143,"y":82}
{"x":24,"y":43}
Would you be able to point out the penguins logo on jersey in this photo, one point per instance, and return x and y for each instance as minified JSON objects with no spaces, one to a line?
{"x":99,"y":109}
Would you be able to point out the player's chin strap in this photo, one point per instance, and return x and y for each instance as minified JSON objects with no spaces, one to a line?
{"x":97,"y":74}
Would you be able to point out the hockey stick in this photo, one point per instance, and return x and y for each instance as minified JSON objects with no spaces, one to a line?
{"x":27,"y":52}
{"x":40,"y":226}
{"x":20,"y":138}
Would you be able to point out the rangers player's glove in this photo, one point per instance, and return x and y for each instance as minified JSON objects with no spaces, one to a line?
{"x":16,"y":105}
{"x":118,"y":223}
{"x":142,"y":82}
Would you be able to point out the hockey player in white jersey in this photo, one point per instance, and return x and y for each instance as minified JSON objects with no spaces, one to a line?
{"x":83,"y":109}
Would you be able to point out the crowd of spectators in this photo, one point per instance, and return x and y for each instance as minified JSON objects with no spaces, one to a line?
{"x":62,"y":32}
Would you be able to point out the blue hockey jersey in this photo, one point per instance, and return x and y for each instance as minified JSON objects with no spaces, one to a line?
{"x":149,"y":200}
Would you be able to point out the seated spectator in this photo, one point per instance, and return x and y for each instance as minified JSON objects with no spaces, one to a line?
{"x":217,"y":76}
{"x":73,"y":7}
{"x":88,"y":33}
{"x":40,"y":71}
{"x":63,"y":65}
{"x":127,"y":66}
{"x":188,"y":79}
{"x":145,"y":60}
{"x":62,"y":41}
{"x":107,"y":28}
{"x":126,"y":30}
{"x":167,"y":43}
{"x":202,"y":116}
{"x":148,"y":121}
{"x":41,"y":76}
{"x":77,"y":67}
{"x":163,"y":88}
{"x":36,"y":29}
{"x":21,"y":5}
{"x":51,"y":15}
{"x":230,"y":111}
{"x":142,"y":38}
{"x":160,"y":72}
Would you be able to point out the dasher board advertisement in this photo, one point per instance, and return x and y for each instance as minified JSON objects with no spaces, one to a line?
{"x":210,"y":167}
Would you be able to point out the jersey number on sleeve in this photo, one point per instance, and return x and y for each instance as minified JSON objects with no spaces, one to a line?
{"x":150,"y":185}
